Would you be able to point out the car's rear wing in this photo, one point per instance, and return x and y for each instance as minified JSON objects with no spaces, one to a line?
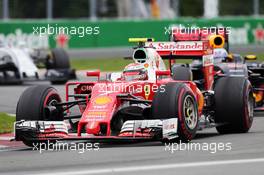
{"x":201,"y":50}
{"x":181,"y":49}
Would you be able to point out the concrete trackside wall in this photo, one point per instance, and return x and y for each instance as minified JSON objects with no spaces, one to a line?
{"x":115,"y":33}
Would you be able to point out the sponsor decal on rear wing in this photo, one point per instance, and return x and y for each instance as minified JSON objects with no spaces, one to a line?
{"x":176,"y":46}
{"x":182,"y":48}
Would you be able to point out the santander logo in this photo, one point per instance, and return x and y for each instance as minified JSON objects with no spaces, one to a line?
{"x":182,"y":45}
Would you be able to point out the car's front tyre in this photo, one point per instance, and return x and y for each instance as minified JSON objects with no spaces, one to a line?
{"x":176,"y":100}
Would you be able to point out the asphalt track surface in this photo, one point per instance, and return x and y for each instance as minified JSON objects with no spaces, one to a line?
{"x":245,"y":157}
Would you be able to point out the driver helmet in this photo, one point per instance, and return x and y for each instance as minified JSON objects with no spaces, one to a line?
{"x":220,"y":54}
{"x":135,"y":71}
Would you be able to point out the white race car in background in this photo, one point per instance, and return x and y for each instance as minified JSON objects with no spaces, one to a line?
{"x":18,"y":64}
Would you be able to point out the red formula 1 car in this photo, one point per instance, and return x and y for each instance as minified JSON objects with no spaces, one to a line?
{"x":142,"y":103}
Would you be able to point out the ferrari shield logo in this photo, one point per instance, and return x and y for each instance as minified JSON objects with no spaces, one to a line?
{"x":147,"y":91}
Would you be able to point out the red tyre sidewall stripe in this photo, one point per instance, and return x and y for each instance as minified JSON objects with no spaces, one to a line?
{"x":180,"y":116}
{"x":246,"y":110}
{"x":52,"y":92}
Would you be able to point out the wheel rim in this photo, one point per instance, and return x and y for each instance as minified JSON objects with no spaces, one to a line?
{"x":190,"y":112}
{"x":51,"y":99}
{"x":52,"y":102}
{"x":250,"y":108}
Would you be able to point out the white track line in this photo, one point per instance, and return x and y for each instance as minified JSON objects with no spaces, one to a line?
{"x":157,"y":167}
{"x":6,"y":138}
{"x":2,"y":146}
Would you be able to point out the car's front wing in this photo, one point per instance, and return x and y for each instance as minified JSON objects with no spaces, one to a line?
{"x":58,"y":130}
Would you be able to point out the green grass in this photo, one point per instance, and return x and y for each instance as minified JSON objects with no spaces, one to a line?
{"x":6,"y":123}
{"x":114,"y":64}
{"x":103,"y":64}
{"x":260,"y":57}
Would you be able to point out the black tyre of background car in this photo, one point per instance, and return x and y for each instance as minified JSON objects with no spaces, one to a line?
{"x":58,"y":82}
{"x":32,"y":102}
{"x":59,"y":59}
{"x":234,"y":104}
{"x":181,"y":73}
{"x":169,"y":102}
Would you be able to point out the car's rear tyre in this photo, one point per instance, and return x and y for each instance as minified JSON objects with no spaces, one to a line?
{"x":176,"y":100}
{"x":234,"y":104}
{"x":31,"y":104}
{"x":181,"y":73}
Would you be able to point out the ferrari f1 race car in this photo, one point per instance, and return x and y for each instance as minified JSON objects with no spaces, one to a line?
{"x":18,"y":64}
{"x":145,"y":102}
{"x":225,"y":63}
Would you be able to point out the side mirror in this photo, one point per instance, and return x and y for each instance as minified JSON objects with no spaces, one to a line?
{"x":162,"y":73}
{"x":95,"y":73}
{"x":250,"y":57}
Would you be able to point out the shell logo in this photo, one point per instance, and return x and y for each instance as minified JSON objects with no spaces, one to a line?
{"x":102,"y":100}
